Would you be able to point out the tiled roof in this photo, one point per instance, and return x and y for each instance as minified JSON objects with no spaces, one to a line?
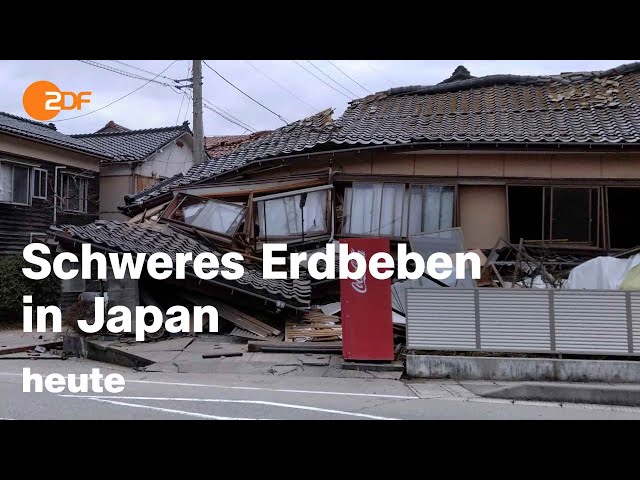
{"x":46,"y":133}
{"x":587,"y":107}
{"x":571,"y":108}
{"x":150,"y":238}
{"x":133,"y":145}
{"x":291,"y":138}
{"x":112,"y":126}
{"x":221,"y":145}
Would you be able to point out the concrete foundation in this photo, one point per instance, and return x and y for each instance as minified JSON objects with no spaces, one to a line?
{"x":522,"y":369}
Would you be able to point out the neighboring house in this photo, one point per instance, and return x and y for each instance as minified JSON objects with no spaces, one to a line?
{"x":549,"y":159}
{"x":46,"y":177}
{"x":139,"y":159}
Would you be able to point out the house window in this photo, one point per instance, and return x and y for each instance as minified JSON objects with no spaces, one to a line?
{"x":291,"y":215}
{"x":14,"y":184}
{"x":39,"y":183}
{"x":397,"y":210}
{"x":554,"y":214}
{"x":207,"y":214}
{"x":623,"y":229}
{"x":75,"y":193}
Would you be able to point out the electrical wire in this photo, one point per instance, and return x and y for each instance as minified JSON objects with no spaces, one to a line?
{"x":245,"y":94}
{"x":331,"y":78}
{"x":315,"y":109}
{"x":124,"y":73}
{"x":374,"y":69}
{"x":117,"y":100}
{"x":219,"y":108}
{"x":327,"y":84}
{"x":349,"y":77}
{"x":141,"y":69}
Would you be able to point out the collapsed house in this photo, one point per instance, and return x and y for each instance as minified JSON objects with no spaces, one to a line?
{"x":540,"y":173}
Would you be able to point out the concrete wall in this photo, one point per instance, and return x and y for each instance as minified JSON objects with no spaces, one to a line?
{"x":483,"y":214}
{"x":522,"y":369}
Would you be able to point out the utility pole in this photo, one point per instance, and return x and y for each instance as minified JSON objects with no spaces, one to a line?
{"x":198,"y":133}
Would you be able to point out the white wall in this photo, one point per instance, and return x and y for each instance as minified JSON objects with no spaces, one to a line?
{"x":117,"y":180}
{"x":170,"y":161}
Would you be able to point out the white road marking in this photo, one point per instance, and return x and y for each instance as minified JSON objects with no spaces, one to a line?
{"x":2,"y":418}
{"x":315,"y":392}
{"x":282,"y":390}
{"x":170,"y":410}
{"x":225,"y":400}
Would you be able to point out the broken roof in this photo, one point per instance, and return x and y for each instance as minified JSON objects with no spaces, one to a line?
{"x":221,"y":145}
{"x":576,"y":108}
{"x":132,"y":145}
{"x":46,"y":133}
{"x":151,"y":238}
{"x":112,"y":126}
{"x":296,"y":136}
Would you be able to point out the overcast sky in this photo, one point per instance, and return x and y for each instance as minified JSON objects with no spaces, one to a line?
{"x":158,"y":106}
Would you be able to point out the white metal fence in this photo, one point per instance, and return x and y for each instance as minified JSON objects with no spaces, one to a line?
{"x":595,"y":322}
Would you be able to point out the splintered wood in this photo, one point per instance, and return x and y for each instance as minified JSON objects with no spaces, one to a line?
{"x":314,"y":326}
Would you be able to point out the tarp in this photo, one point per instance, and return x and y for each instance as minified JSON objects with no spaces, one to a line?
{"x":606,"y":273}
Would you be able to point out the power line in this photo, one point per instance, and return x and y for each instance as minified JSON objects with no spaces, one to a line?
{"x":122,"y":72}
{"x":232,"y":117}
{"x":327,"y":84}
{"x":227,"y":116}
{"x":331,"y":78}
{"x":124,"y":96}
{"x":141,"y":69}
{"x":315,"y":109}
{"x":349,"y":77}
{"x":245,"y":94}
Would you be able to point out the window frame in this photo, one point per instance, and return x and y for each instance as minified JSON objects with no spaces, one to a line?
{"x":29,"y":169}
{"x":326,"y":189}
{"x":39,"y":171}
{"x":546,"y":227}
{"x":82,"y":201}
{"x":406,"y":203}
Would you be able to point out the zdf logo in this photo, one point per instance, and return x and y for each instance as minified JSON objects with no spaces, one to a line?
{"x":43,"y":100}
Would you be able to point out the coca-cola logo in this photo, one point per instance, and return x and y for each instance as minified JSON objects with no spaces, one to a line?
{"x":358,"y":284}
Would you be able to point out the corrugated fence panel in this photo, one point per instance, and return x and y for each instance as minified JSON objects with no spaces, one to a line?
{"x":441,"y":319}
{"x":514,"y":319}
{"x":635,"y":317}
{"x":591,"y":321}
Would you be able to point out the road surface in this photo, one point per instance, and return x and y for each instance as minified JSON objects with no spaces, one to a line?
{"x":233,"y":397}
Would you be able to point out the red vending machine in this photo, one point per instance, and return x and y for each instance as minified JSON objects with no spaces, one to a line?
{"x":367,"y":329}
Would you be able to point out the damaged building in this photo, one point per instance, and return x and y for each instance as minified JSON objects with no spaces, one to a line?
{"x":546,"y":164}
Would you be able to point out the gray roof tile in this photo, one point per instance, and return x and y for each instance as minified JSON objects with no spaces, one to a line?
{"x":570,"y":108}
{"x":46,"y":133}
{"x":132,"y":145}
{"x":150,"y":238}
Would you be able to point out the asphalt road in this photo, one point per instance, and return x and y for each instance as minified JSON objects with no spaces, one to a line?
{"x":224,"y":396}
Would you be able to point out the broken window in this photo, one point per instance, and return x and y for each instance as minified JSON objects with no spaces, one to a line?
{"x":290,"y":214}
{"x":622,"y":203}
{"x":395,"y":210}
{"x":213,"y":215}
{"x":555,"y":214}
